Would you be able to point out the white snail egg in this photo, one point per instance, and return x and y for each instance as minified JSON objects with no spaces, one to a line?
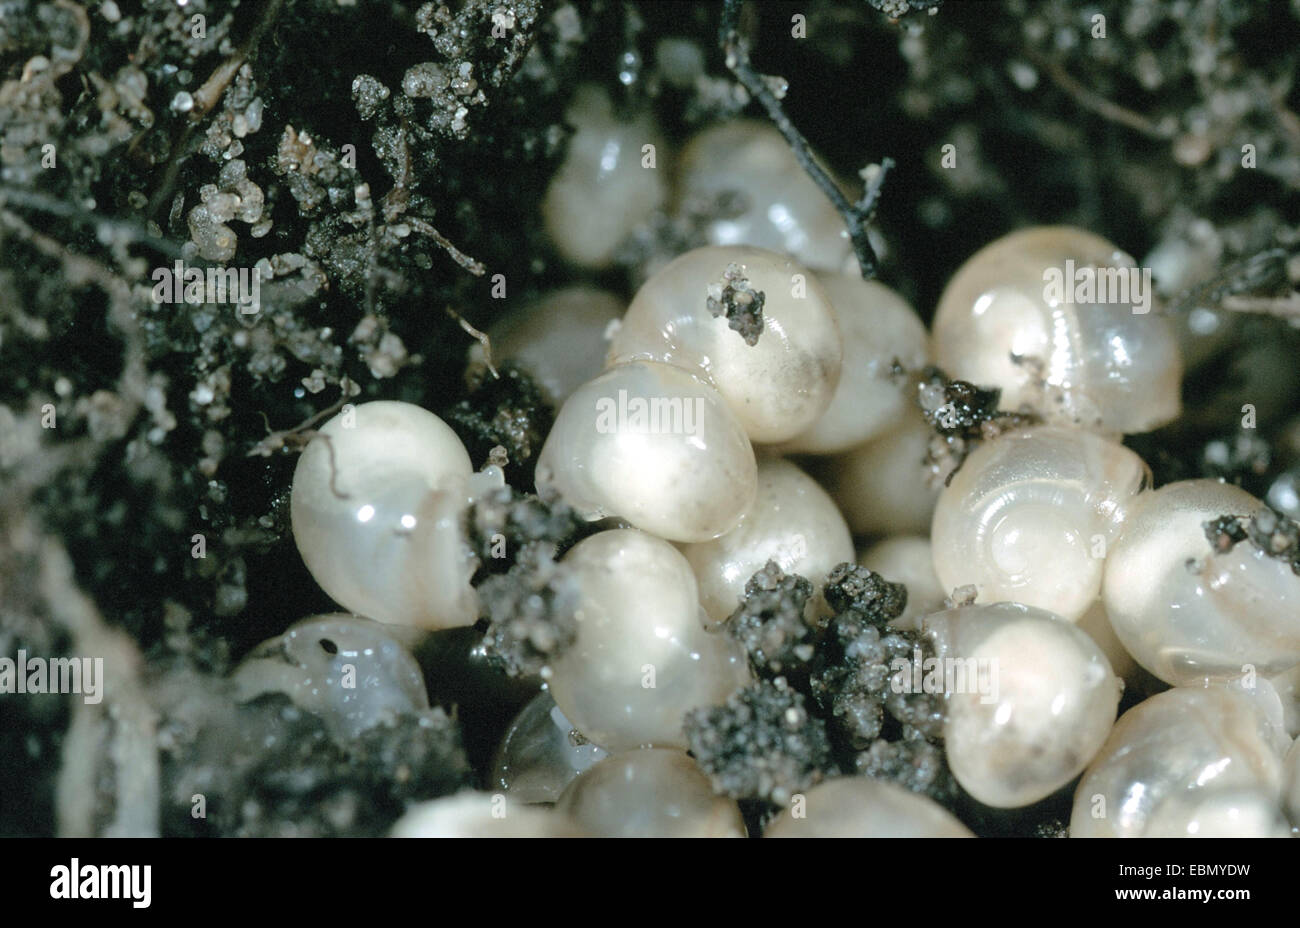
{"x":907,"y":559}
{"x":860,"y":807}
{"x":376,"y":504}
{"x":538,"y":757}
{"x":1029,"y":516}
{"x":653,"y":793}
{"x":1065,"y":305}
{"x":1096,"y":623}
{"x":354,"y":673}
{"x":879,"y":329}
{"x":885,"y":486}
{"x":651,"y":444}
{"x":641,"y":658}
{"x":470,"y":814}
{"x":1030,"y":698}
{"x":776,"y":386}
{"x":558,"y":339}
{"x":746,"y":171}
{"x":1176,"y":744}
{"x":792,"y":521}
{"x":602,"y":190}
{"x":1188,"y":613}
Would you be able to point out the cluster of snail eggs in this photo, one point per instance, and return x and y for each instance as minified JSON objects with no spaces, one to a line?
{"x":756,"y":402}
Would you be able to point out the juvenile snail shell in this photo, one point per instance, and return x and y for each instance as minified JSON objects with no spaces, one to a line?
{"x":352,"y":672}
{"x":1178,"y":743}
{"x":860,"y":807}
{"x":1291,"y":783}
{"x":641,"y":658}
{"x":376,"y":504}
{"x":1117,"y":369}
{"x":537,"y":758}
{"x":768,"y":200}
{"x":879,"y":329}
{"x":1188,"y":614}
{"x":651,"y":444}
{"x":559,"y":339}
{"x":1029,"y":516}
{"x":1219,"y":813}
{"x":470,"y":814}
{"x":601,"y":191}
{"x":653,"y":793}
{"x":1031,"y":700}
{"x":907,"y":559}
{"x":885,"y":487}
{"x":776,"y":386}
{"x":792,"y":521}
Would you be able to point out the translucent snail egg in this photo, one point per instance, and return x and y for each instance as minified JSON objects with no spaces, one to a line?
{"x":1030,"y":700}
{"x":376,"y":504}
{"x":907,"y":559}
{"x":1079,"y":311}
{"x":859,"y":807}
{"x":642,"y":658}
{"x":1029,"y":516}
{"x":538,"y":757}
{"x":352,"y":672}
{"x":1187,"y":613}
{"x":651,"y":444}
{"x":747,"y":169}
{"x":776,"y":386}
{"x":470,"y":814}
{"x":792,"y":521}
{"x":1178,"y":743}
{"x":885,"y":486}
{"x":652,"y":793}
{"x":879,"y":329}
{"x":558,"y":339}
{"x":601,"y":191}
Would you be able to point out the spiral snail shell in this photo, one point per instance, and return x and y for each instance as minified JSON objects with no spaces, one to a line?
{"x":1019,"y":309}
{"x":1029,"y":516}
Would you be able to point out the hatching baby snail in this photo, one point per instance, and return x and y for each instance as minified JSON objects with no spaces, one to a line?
{"x":376,"y":505}
{"x":1030,"y":699}
{"x":1029,"y":516}
{"x":641,"y":658}
{"x":752,"y":323}
{"x":1064,"y":306}
{"x":1179,"y":746}
{"x":1188,"y":613}
{"x":538,"y":757}
{"x":352,"y":672}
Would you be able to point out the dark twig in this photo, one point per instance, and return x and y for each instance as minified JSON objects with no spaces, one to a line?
{"x":856,"y":215}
